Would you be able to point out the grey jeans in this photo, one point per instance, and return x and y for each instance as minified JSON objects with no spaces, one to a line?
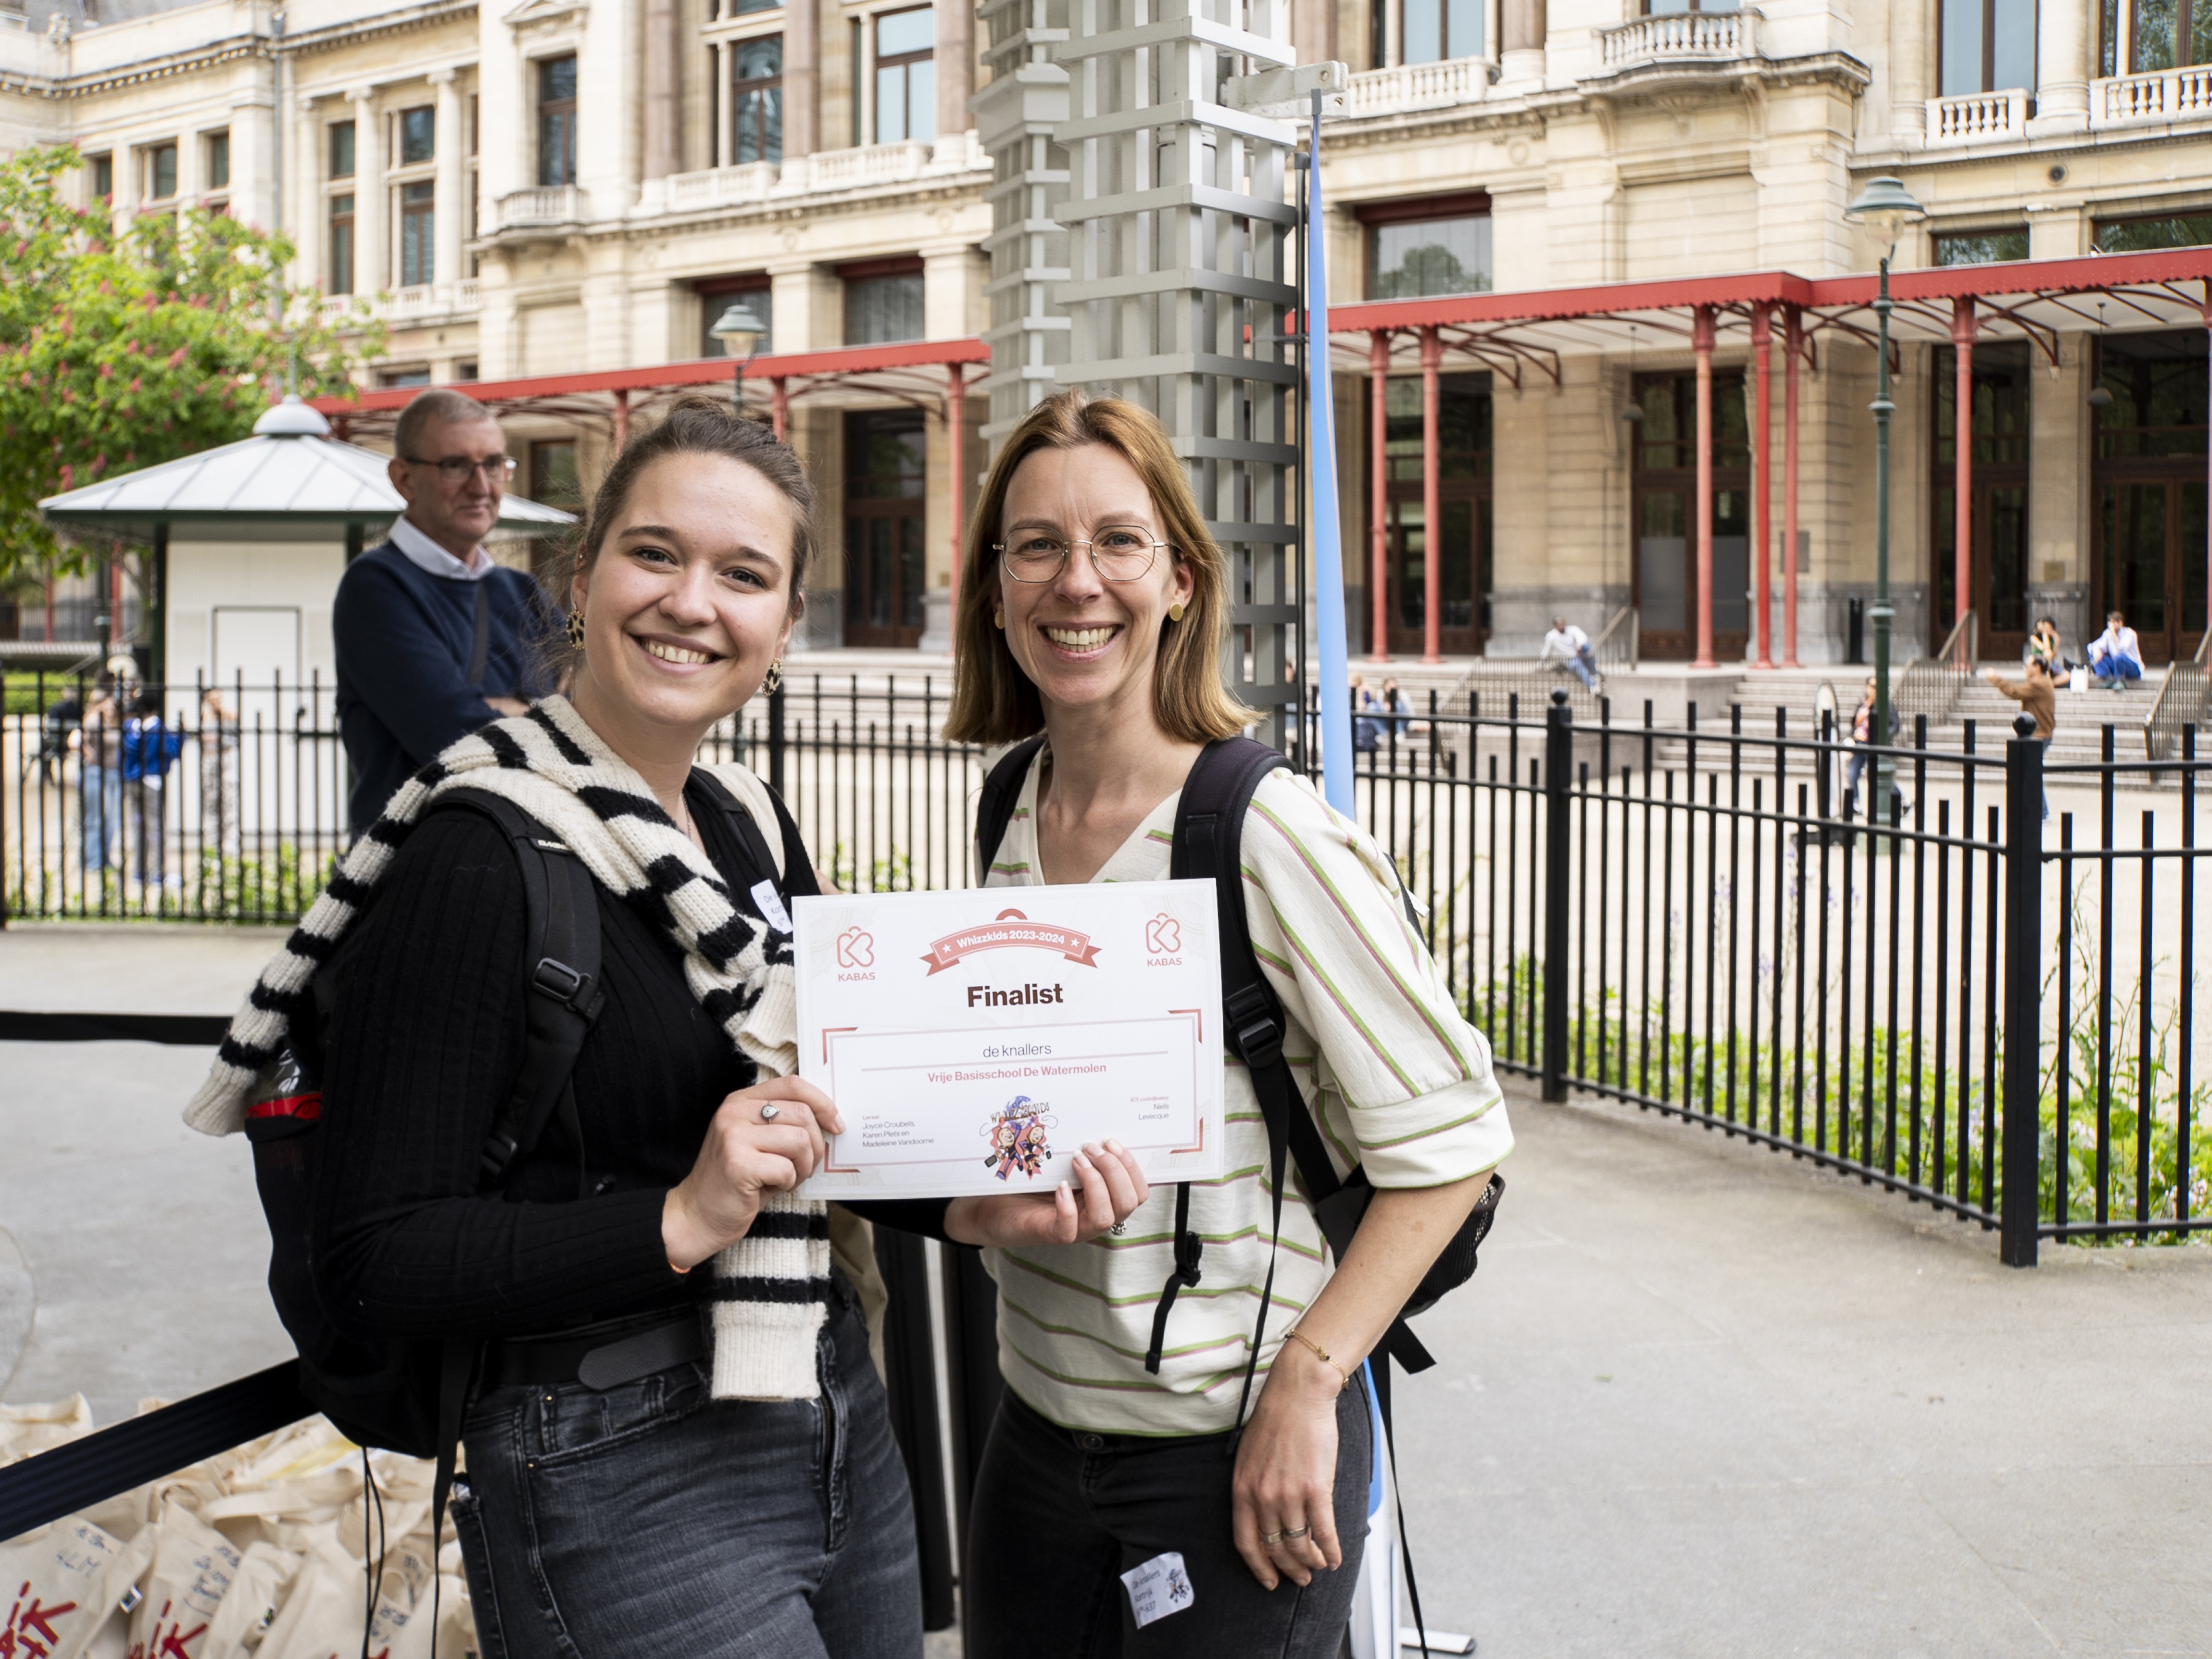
{"x":653,"y":1518}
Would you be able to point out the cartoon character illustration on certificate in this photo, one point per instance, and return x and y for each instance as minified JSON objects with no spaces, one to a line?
{"x":1016,"y":1132}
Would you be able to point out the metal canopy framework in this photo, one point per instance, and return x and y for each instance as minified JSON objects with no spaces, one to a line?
{"x":1525,"y":339}
{"x":935,"y":376}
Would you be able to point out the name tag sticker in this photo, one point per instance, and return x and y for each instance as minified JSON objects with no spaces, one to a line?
{"x":1157,"y":1588}
{"x":770,"y":905}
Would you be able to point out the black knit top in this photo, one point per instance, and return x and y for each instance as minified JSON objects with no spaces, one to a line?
{"x":419,"y":1057}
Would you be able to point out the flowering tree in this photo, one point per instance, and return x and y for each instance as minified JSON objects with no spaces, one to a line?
{"x":121,"y":348}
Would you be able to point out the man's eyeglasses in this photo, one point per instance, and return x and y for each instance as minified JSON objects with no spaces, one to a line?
{"x":1119,"y":553}
{"x":455,"y":469}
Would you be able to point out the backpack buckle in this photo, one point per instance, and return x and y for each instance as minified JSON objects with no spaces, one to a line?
{"x":1257,"y":1032}
{"x":556,"y":980}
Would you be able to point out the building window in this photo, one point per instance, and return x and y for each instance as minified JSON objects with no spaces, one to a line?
{"x":418,"y":135}
{"x":882,"y":302}
{"x":418,"y":234}
{"x":1432,"y":31}
{"x":2147,"y":236}
{"x":1981,"y":247}
{"x":906,"y":77}
{"x":1987,"y":46}
{"x":218,"y":159}
{"x":756,"y":100}
{"x":886,"y":520}
{"x":103,"y":177}
{"x":466,"y":369}
{"x":341,"y":276}
{"x":557,"y":121}
{"x":416,"y":376}
{"x":744,"y":7}
{"x":2161,"y":34}
{"x":1416,"y":248}
{"x":341,"y":149}
{"x":160,"y":181}
{"x":717,"y":295}
{"x":554,"y":479}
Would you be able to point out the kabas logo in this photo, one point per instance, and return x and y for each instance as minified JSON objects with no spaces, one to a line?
{"x":856,"y":948}
{"x":1163,"y":935}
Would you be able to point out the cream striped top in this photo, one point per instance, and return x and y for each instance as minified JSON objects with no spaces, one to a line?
{"x":1398,"y":1081}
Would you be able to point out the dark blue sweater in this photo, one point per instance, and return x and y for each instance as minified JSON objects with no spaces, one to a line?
{"x":403,"y":637}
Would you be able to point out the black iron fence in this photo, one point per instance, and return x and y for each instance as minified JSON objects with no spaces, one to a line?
{"x":1729,"y":926}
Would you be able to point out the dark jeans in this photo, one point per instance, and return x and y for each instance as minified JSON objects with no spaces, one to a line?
{"x":1058,"y":1515}
{"x":653,"y":1518}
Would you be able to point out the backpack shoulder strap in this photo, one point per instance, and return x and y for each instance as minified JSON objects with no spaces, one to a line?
{"x":561,"y":954}
{"x":791,"y":874}
{"x":1209,"y":839}
{"x":995,"y":807}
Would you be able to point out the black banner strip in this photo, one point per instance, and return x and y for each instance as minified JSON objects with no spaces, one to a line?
{"x":194,"y":1031}
{"x":82,"y":1473}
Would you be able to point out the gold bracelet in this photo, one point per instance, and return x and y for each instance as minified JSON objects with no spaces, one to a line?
{"x":1320,"y":1353}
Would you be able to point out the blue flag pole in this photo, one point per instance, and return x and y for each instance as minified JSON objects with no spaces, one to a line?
{"x":1334,"y":683}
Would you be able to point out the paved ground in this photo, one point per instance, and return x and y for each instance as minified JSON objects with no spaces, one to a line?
{"x":1700,"y":1400}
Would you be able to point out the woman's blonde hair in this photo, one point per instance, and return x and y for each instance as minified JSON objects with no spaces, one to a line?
{"x":993,"y":699}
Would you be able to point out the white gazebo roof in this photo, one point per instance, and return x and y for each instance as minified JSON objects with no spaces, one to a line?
{"x":291,"y":482}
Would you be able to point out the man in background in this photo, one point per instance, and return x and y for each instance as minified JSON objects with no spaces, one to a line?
{"x":434,"y":639}
{"x":1569,"y":643}
{"x":2116,"y":655}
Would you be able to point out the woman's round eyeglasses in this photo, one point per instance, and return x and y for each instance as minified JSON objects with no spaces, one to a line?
{"x":1119,"y":553}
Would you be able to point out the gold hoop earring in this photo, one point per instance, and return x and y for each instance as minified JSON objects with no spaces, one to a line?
{"x":773,"y":682}
{"x":1175,"y":611}
{"x":997,"y":619}
{"x":576,"y":627}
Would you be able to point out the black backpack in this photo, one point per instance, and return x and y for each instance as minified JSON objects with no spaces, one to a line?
{"x":408,"y":1396}
{"x":1208,"y":836}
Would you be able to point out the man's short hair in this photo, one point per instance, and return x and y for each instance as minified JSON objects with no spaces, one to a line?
{"x":439,"y":403}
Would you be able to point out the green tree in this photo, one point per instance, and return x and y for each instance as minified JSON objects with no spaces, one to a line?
{"x":120,"y":348}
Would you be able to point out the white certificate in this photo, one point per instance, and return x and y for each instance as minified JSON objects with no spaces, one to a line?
{"x":975,"y":1041}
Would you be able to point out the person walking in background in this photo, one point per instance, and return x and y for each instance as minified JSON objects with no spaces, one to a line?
{"x":218,"y":774}
{"x":1366,"y":732}
{"x":1862,"y":742}
{"x":1569,"y":644}
{"x":2034,"y":692}
{"x":149,"y":750}
{"x":97,"y":740}
{"x":432,"y":638}
{"x":1394,"y":702}
{"x":2115,"y":655}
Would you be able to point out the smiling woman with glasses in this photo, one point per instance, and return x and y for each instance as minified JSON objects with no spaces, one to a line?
{"x":1094,"y":612}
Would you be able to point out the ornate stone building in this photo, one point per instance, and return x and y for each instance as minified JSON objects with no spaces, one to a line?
{"x":535,"y":189}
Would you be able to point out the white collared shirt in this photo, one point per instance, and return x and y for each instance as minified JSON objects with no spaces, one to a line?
{"x":426,"y":555}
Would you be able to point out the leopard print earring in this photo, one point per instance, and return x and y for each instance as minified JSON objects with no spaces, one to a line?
{"x":576,"y":627}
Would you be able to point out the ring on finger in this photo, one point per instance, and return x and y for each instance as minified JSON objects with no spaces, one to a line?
{"x":770,"y":1112}
{"x":1271,"y":1538}
{"x":1294,"y":1533}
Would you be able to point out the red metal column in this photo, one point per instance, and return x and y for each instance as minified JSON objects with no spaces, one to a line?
{"x":779,"y":408}
{"x":956,"y":451}
{"x":1962,"y":451}
{"x":1432,"y":584}
{"x":1762,"y":346}
{"x":1378,"y":529}
{"x":1793,"y":349}
{"x":622,"y":425}
{"x":2208,"y":548}
{"x":1701,"y":342}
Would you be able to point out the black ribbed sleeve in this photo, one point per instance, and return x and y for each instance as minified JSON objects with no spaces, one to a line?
{"x":419,"y":1056}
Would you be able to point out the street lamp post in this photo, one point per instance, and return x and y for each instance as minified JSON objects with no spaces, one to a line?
{"x":1884,"y":208}
{"x":740,"y":332}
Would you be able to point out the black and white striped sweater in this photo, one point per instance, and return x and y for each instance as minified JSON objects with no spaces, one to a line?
{"x":770,"y":1285}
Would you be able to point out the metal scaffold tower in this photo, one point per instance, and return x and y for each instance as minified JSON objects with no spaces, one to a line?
{"x":1141,"y":250}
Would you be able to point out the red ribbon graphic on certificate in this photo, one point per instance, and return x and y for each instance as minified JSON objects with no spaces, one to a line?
{"x":1012,"y":930}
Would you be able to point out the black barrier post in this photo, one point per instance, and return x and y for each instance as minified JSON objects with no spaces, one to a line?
{"x":775,"y":737}
{"x":2023,"y":967}
{"x":910,"y":1372}
{"x":83,"y":1473}
{"x":971,"y":1359}
{"x":1558,"y":764}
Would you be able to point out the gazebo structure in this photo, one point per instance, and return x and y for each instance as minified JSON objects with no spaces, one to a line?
{"x":249,"y":541}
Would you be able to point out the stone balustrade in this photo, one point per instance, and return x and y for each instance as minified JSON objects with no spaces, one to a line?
{"x":1702,"y":36}
{"x":1411,"y":87}
{"x":1976,"y":117}
{"x":2178,"y":94}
